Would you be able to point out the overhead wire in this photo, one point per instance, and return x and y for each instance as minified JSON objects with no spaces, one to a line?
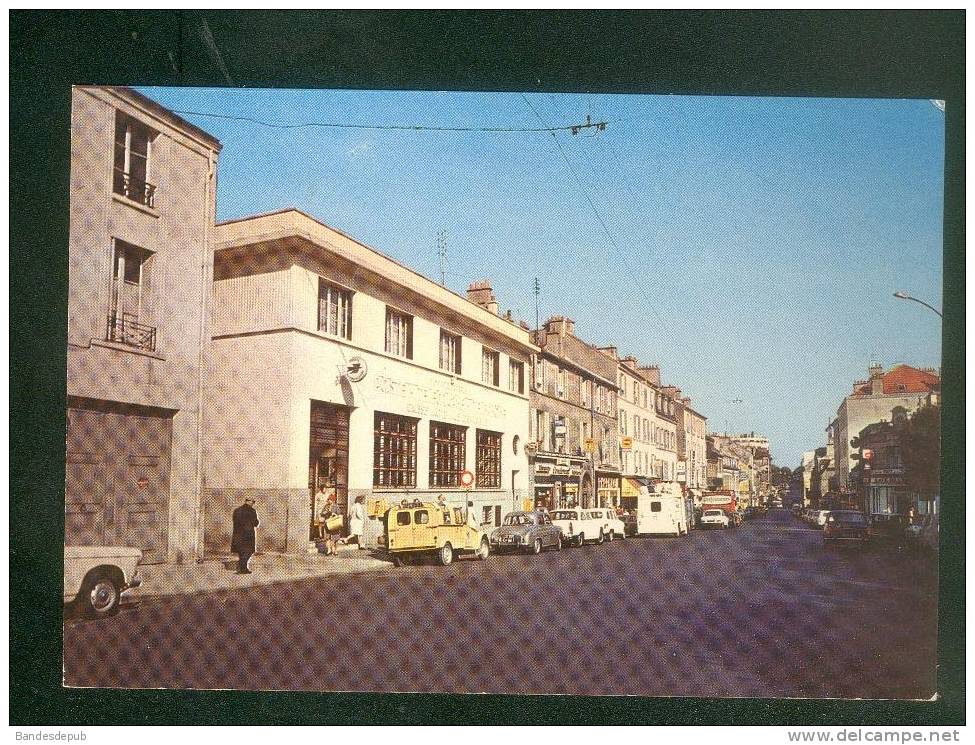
{"x":596,"y":213}
{"x":394,"y":127}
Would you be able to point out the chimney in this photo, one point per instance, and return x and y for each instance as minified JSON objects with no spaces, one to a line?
{"x":480,"y":293}
{"x":630,"y":362}
{"x":876,"y":379}
{"x":560,"y":325}
{"x":652,"y":373}
{"x":875,"y":370}
{"x":610,"y":352}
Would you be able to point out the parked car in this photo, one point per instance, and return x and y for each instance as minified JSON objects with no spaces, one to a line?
{"x":578,"y":525}
{"x":797,"y":509}
{"x":96,"y":576}
{"x":527,"y":531}
{"x":885,"y":527}
{"x":613,"y":527}
{"x":846,"y":525}
{"x":715,"y":519}
{"x":821,"y":517}
{"x":749,"y":513}
{"x":416,"y":529}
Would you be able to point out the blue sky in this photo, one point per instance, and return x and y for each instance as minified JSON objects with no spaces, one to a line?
{"x":758,"y":240}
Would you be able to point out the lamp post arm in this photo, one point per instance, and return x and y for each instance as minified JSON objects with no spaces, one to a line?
{"x":926,"y":305}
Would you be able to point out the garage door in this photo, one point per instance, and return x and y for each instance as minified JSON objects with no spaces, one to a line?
{"x":117,"y":479}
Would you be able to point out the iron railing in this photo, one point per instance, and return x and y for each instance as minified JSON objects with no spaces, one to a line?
{"x":124,"y":330}
{"x":134,"y":188}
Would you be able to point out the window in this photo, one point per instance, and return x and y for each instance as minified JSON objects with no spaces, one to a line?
{"x":539,"y":373}
{"x":490,"y":361}
{"x":488,"y":459}
{"x":422,"y":517}
{"x":450,"y":346}
{"x":399,"y":334}
{"x":586,"y":394}
{"x":394,"y":454}
{"x":133,"y":140}
{"x":636,"y":426}
{"x":622,"y":423}
{"x":447,"y":454}
{"x":655,"y":507}
{"x":129,"y":319}
{"x":486,"y":515}
{"x":334,"y":310}
{"x":561,"y":383}
{"x":403,"y":518}
{"x":516,"y":376}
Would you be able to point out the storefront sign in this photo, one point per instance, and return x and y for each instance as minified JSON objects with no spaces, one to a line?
{"x":543,"y":469}
{"x":590,"y":445}
{"x":562,"y":470}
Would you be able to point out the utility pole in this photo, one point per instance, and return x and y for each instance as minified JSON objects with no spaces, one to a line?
{"x":442,"y":255}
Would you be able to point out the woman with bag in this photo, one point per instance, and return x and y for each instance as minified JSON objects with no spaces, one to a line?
{"x":331,"y":522}
{"x":357,"y":521}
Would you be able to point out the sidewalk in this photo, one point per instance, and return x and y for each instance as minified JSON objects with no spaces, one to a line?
{"x":220,"y":573}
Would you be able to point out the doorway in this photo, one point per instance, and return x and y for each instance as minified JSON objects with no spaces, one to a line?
{"x":328,"y":459}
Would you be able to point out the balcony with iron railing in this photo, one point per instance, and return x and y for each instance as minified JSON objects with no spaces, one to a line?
{"x":124,"y":329}
{"x":134,"y":188}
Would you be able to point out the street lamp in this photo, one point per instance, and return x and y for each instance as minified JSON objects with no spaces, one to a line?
{"x":904,"y":296}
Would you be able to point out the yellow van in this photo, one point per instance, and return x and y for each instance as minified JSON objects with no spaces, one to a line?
{"x":414,"y":529}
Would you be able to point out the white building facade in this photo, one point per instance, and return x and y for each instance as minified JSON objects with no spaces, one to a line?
{"x":336,"y":367}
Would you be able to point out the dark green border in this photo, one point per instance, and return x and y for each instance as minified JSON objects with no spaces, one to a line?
{"x":884,"y":54}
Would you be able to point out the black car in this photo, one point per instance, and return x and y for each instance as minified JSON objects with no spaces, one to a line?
{"x":846,"y":525}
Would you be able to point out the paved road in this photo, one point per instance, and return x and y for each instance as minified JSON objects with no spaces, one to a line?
{"x":764,"y":610}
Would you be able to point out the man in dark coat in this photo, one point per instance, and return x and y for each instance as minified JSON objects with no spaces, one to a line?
{"x":244,"y":539}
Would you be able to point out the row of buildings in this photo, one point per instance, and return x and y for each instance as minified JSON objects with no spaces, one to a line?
{"x":742,"y":463}
{"x":861,"y":462}
{"x":273,"y":356}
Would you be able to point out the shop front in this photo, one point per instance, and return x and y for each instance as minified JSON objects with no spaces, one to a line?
{"x":608,"y":488}
{"x":562,"y":481}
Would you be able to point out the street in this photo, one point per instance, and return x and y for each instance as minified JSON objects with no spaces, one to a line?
{"x":761,"y":611}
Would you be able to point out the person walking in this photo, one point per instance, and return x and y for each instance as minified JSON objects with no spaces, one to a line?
{"x":357,"y":520}
{"x":329,"y":535}
{"x":244,"y":540}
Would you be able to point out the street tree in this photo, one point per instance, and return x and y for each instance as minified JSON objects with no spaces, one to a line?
{"x":921,"y":450}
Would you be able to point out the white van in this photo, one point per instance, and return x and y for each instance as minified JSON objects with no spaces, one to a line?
{"x":661,"y":514}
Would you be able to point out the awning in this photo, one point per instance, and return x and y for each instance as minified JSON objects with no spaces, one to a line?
{"x":632,"y":484}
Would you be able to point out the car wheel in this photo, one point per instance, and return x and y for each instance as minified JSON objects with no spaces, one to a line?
{"x":537,"y":546}
{"x":599,"y":541}
{"x":99,"y":596}
{"x":398,"y":560}
{"x":446,"y":554}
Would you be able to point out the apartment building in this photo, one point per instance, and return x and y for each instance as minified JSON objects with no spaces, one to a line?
{"x":140,"y":255}
{"x":575,"y":446}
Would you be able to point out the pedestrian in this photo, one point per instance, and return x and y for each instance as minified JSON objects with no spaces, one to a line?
{"x":472,"y":520}
{"x":244,"y":539}
{"x":357,"y":520}
{"x":330,"y":535}
{"x":321,"y":499}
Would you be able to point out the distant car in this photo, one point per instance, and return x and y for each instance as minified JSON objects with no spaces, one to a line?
{"x":96,"y":576}
{"x":530,"y":532}
{"x":749,"y":513}
{"x":821,"y":517}
{"x":846,"y":525}
{"x":715,"y":519}
{"x":797,"y":510}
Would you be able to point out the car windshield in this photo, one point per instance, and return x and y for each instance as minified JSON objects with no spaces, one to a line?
{"x":565,"y":515}
{"x":851,"y":518}
{"x":519,"y":518}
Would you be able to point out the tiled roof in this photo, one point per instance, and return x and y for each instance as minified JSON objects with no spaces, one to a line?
{"x":904,"y":379}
